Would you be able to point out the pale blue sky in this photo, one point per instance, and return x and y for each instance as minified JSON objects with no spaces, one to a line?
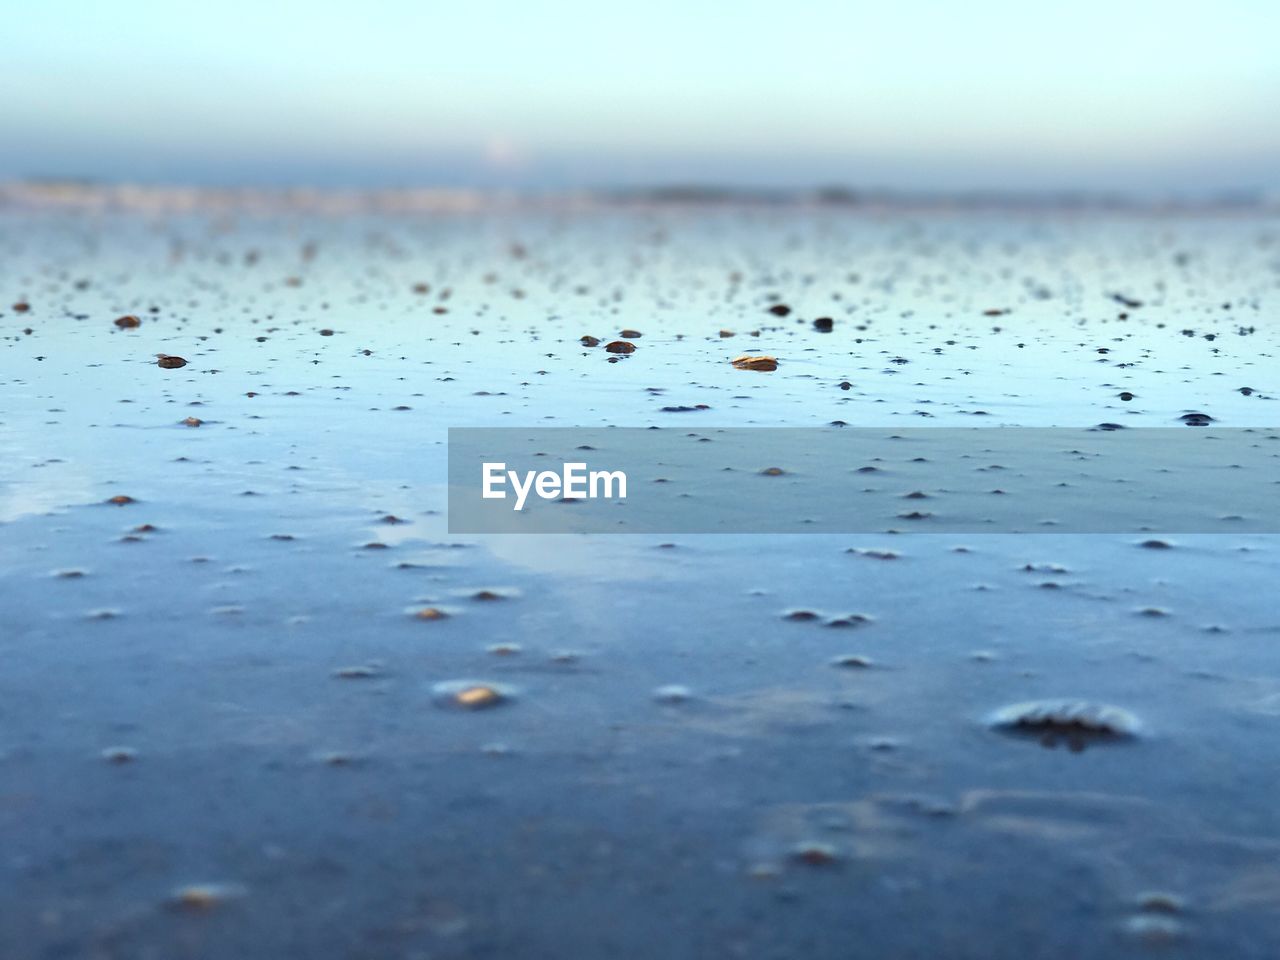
{"x":920,"y":93}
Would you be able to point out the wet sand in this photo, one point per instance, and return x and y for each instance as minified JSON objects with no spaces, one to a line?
{"x":228,"y":729}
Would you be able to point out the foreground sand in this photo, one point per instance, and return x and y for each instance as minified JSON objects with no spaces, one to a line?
{"x":222,"y":726}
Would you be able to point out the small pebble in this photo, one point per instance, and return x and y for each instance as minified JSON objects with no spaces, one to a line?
{"x":470,"y":695}
{"x":119,"y":754}
{"x":203,"y":897}
{"x":672,"y":693}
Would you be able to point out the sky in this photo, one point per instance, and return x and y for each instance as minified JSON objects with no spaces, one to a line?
{"x":1116,"y":95}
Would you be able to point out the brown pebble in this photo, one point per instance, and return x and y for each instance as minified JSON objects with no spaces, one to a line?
{"x":630,"y":334}
{"x":505,"y":649}
{"x":620,"y":346}
{"x":755,"y":362}
{"x":815,"y":854}
{"x":590,"y":341}
{"x":470,"y":695}
{"x":128,"y":322}
{"x":192,"y":421}
{"x":168,"y":362}
{"x":203,"y":897}
{"x":120,"y":500}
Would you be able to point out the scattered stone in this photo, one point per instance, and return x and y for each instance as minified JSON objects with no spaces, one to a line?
{"x":470,"y":695}
{"x":1077,"y":722}
{"x":1158,"y":901}
{"x":850,"y":620}
{"x":366,"y":671}
{"x":505,"y":649}
{"x":169,"y":362}
{"x":801,"y":616}
{"x":203,"y":897}
{"x":337,"y":758}
{"x":129,"y":322}
{"x":815,"y":854}
{"x":853,"y":661}
{"x":755,"y":362}
{"x":672,"y":693}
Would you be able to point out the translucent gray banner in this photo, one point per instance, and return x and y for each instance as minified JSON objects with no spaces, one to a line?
{"x":864,"y":480}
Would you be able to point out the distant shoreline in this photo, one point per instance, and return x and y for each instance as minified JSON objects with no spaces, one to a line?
{"x":54,"y":194}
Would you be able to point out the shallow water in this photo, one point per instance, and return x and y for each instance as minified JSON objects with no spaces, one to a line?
{"x":247,"y":625}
